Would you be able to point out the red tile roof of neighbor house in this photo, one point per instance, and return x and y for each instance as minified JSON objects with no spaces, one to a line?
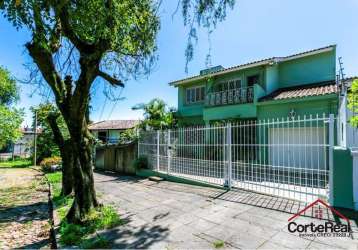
{"x":317,"y":89}
{"x":113,"y":124}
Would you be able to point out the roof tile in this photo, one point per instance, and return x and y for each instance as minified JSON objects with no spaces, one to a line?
{"x":323,"y":88}
{"x":113,"y":124}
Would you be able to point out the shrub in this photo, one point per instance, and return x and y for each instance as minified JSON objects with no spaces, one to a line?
{"x":47,"y":163}
{"x":71,"y":234}
{"x":140,"y":163}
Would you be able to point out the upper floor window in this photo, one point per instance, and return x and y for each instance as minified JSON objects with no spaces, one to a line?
{"x":229,"y":85}
{"x":195,"y":94}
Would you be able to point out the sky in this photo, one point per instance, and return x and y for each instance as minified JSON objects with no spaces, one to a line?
{"x":253,"y":30}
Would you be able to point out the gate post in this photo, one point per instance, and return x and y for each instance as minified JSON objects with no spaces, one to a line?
{"x":355,"y":178}
{"x":330,"y":157}
{"x":228,"y":161}
{"x":158,"y":141}
{"x":168,"y":152}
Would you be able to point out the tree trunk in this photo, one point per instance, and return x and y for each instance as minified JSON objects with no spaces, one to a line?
{"x":85,"y":194}
{"x":68,"y":158}
{"x":68,"y":163}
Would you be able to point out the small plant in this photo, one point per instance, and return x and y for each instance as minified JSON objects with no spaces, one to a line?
{"x":47,"y":163}
{"x":218,"y":244}
{"x":141,"y":163}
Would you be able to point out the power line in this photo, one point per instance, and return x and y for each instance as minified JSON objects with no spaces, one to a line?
{"x":104,"y":105}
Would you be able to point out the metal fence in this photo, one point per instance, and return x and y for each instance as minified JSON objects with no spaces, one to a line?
{"x":288,"y":157}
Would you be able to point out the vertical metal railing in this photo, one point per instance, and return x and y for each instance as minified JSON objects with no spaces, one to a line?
{"x":290,"y":157}
{"x":231,"y":96}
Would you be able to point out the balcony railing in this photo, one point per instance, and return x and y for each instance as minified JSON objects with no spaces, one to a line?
{"x":232,"y":96}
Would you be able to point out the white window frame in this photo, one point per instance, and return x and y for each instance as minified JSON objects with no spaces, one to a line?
{"x":194,"y":90}
{"x":228,"y":83}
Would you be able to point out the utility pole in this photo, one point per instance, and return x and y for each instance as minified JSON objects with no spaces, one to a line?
{"x":35,"y":138}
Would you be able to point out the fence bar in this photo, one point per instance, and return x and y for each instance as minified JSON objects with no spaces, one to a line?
{"x":330,"y":158}
{"x":228,"y":159}
{"x":158,"y":148}
{"x":169,"y":152}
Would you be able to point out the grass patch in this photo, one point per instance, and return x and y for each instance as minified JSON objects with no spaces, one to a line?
{"x":62,"y":203}
{"x":101,"y":218}
{"x":20,"y":163}
{"x":104,"y":217}
{"x":218,"y":244}
{"x":54,"y":178}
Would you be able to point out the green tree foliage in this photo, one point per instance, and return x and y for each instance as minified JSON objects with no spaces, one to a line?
{"x":353,"y":103}
{"x":46,"y":145}
{"x":10,"y":121}
{"x":10,"y":117}
{"x":9,"y":92}
{"x":157,"y":115}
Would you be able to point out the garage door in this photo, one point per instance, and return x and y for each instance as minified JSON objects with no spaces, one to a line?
{"x":302,"y":148}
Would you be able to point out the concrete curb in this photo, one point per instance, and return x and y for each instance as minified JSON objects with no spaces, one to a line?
{"x":52,"y":233}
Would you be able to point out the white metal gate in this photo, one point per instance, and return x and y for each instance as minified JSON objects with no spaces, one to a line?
{"x":288,"y":157}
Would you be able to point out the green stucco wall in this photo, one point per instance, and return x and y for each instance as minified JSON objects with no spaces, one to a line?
{"x":342,"y":178}
{"x":190,"y":121}
{"x":272,"y":78}
{"x":305,"y":106}
{"x":310,"y":69}
{"x":230,"y":112}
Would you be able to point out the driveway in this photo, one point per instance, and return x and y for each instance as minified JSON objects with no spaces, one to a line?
{"x":175,"y":216}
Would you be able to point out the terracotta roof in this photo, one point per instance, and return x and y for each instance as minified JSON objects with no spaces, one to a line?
{"x":113,"y":124}
{"x":254,"y":64}
{"x":317,"y":89}
{"x":28,"y":130}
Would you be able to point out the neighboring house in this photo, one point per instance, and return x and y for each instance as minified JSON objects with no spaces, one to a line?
{"x":109,"y":132}
{"x":23,"y":146}
{"x":295,"y":85}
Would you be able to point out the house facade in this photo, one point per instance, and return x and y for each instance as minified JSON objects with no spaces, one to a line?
{"x":109,"y":132}
{"x":290,"y":86}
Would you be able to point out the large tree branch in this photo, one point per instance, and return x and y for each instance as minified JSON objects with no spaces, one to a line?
{"x":61,"y":11}
{"x":112,"y":80}
{"x":44,"y":61}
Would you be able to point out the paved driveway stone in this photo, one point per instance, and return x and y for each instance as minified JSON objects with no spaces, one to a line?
{"x":167,"y":215}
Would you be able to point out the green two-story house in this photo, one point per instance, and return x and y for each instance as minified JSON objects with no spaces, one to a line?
{"x":300,"y":84}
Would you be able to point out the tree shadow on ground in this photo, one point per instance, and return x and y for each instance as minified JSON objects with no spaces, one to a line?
{"x":24,"y":213}
{"x":241,"y":196}
{"x":128,"y":236}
